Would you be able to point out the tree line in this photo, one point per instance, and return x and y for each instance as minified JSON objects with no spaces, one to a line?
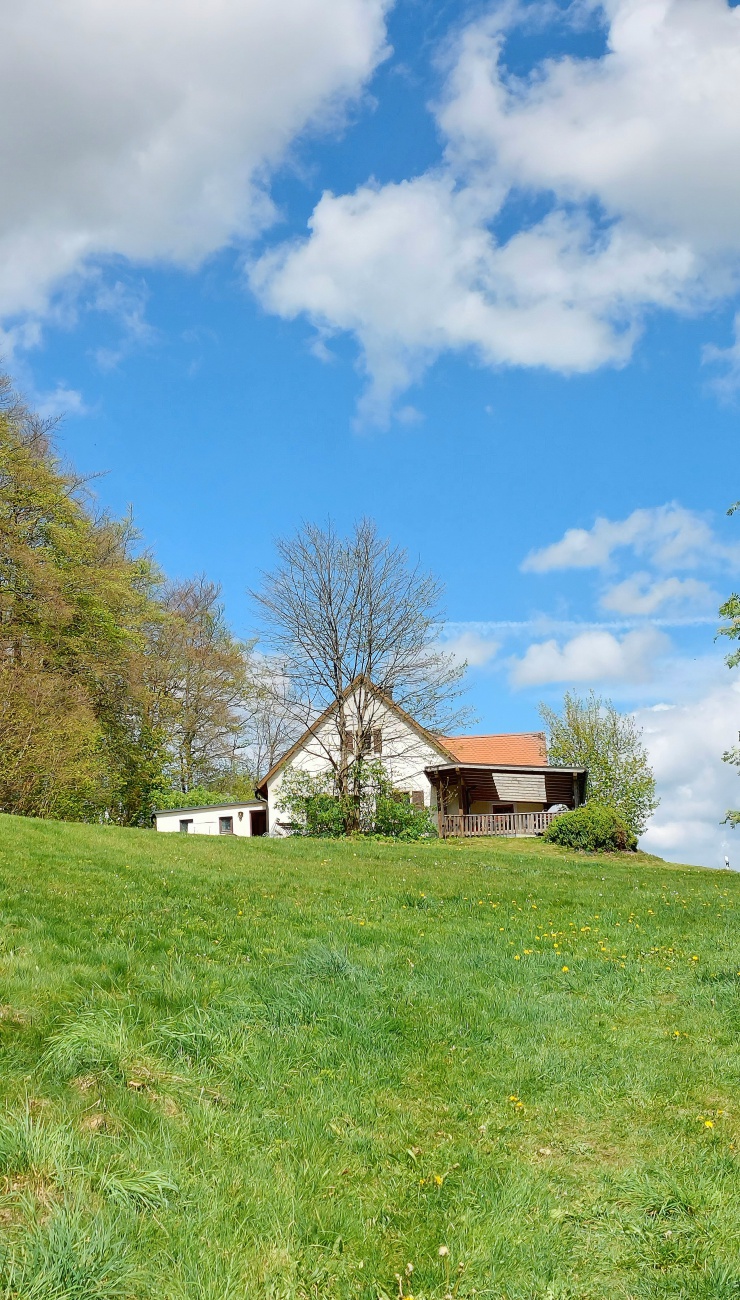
{"x":120,"y":691}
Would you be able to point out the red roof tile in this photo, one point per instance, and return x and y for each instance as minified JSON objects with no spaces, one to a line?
{"x":527,"y":749}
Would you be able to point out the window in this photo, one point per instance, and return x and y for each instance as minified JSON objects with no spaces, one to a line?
{"x":363,"y":742}
{"x":377,"y":741}
{"x":185,"y":824}
{"x":417,"y":798}
{"x":226,"y":825}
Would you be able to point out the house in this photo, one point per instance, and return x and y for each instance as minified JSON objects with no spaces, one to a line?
{"x":249,"y":818}
{"x":473,"y":785}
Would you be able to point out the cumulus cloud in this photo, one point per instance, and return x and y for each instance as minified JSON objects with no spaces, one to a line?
{"x":685,"y":743}
{"x":134,"y":129}
{"x":593,"y":656}
{"x":412,"y":270}
{"x":669,"y":536}
{"x":651,"y":129}
{"x":634,"y":153}
{"x":640,"y":595}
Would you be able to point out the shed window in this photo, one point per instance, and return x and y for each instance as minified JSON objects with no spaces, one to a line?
{"x":417,"y":798}
{"x":185,"y":824}
{"x":226,"y":825}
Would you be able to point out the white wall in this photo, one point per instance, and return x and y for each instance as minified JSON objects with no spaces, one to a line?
{"x":405,"y":755}
{"x":205,"y":820}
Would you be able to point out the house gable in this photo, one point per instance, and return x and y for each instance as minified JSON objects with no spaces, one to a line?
{"x":318,"y":738}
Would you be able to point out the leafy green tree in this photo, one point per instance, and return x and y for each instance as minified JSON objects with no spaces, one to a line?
{"x":74,"y":598}
{"x":591,"y":733}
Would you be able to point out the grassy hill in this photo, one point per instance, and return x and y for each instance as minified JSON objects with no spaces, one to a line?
{"x":276,"y":1070}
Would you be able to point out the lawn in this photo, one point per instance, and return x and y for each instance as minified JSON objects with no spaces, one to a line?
{"x":269,"y":1070}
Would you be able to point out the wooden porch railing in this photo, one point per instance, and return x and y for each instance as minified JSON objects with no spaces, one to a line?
{"x":527,"y":823}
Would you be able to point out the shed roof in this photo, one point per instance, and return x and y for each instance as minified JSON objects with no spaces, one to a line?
{"x":211,"y":807}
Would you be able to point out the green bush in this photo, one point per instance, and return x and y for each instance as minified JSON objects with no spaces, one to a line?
{"x":594,"y":826}
{"x":324,"y":815}
{"x":401,"y":819}
{"x":372,"y":807}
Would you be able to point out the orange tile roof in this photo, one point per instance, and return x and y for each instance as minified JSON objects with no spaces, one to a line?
{"x":528,"y":749}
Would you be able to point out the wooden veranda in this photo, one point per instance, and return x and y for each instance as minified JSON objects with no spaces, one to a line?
{"x":480,"y":800}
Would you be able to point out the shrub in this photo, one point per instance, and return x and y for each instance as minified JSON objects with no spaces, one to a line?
{"x":371,"y":808}
{"x":324,"y":815}
{"x":594,"y":826}
{"x":401,"y":819}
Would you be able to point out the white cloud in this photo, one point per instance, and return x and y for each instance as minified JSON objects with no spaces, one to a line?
{"x":685,"y":743}
{"x":137,"y":129}
{"x":61,"y":401}
{"x":471,"y":647}
{"x":640,"y":595}
{"x":636,"y":153}
{"x":651,"y":129}
{"x":669,"y":536}
{"x":727,"y":362}
{"x":593,"y":656}
{"x":412,"y":270}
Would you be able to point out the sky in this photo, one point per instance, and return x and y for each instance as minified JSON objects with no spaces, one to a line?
{"x":470,"y":269}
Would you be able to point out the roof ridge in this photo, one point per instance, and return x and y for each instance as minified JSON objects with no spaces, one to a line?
{"x":492,"y":735}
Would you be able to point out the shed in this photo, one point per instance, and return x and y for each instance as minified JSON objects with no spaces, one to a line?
{"x":249,"y":818}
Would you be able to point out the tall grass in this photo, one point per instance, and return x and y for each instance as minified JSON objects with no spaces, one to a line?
{"x":289,"y":1071}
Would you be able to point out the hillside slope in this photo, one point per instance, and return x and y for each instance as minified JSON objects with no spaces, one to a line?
{"x":263,"y":1069}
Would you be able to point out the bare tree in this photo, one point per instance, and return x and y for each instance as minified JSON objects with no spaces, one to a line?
{"x":199,"y":680}
{"x":342,"y":611}
{"x":271,"y":724}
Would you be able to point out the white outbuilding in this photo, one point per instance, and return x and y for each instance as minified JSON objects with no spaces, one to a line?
{"x":248,"y":818}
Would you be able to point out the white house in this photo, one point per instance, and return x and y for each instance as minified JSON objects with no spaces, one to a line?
{"x":248,"y":818}
{"x":474,"y":785}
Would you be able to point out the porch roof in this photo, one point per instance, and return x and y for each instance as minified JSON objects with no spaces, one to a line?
{"x":476,"y":768}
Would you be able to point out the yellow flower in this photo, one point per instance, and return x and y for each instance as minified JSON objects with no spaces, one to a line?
{"x":517,"y":957}
{"x":438,"y":1179}
{"x":566,"y":968}
{"x":709,"y":1123}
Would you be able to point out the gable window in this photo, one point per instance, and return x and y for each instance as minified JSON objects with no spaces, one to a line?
{"x":363,"y":742}
{"x":369,"y":741}
{"x":226,"y":825}
{"x":185,"y":824}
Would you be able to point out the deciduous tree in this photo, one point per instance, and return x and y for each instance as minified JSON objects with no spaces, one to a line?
{"x":591,"y":733}
{"x":343,"y":610}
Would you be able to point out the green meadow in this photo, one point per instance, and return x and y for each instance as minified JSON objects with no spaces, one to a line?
{"x":324,"y":1069}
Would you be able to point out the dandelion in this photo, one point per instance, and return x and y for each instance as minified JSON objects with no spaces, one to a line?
{"x":517,"y":957}
{"x":442,"y":1252}
{"x":565,"y":969}
{"x":709,"y":1123}
{"x":438,"y":1178}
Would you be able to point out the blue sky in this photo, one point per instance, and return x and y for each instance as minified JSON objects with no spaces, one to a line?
{"x":469,"y":269}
